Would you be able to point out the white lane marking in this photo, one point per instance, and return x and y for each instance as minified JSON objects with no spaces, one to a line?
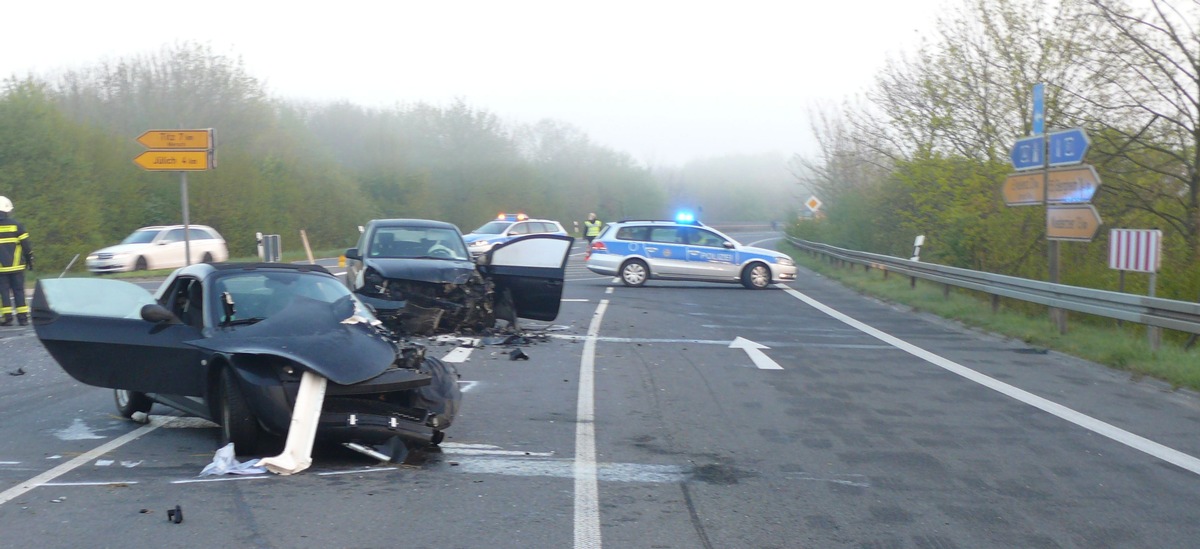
{"x":563,"y":468}
{"x":10,"y":463}
{"x":1167,"y":454}
{"x":465,"y":445}
{"x":222,"y":479}
{"x":475,"y":452}
{"x":576,"y":300}
{"x":759,"y":358}
{"x":850,"y":480}
{"x":465,"y":386}
{"x":722,"y":342}
{"x":16,"y":491}
{"x":757,"y":242}
{"x":594,"y":278}
{"x":458,"y":355}
{"x":587,"y":491}
{"x":104,"y":462}
{"x":109,"y":483}
{"x":608,"y":290}
{"x":356,"y":471}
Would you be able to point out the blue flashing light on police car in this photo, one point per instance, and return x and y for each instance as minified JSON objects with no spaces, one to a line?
{"x":685,"y":217}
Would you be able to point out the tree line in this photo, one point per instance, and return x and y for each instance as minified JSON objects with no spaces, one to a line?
{"x":67,"y":143}
{"x":925,"y":150}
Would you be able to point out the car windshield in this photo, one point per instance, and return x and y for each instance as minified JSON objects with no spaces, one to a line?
{"x":261,"y":294}
{"x":494,"y":227}
{"x":141,"y":237}
{"x":417,"y":243}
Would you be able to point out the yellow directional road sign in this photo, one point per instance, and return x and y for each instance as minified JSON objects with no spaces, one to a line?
{"x":1074,"y":222}
{"x":1023,"y":189}
{"x":177,"y":139}
{"x":1073,"y":185}
{"x":175,"y":161}
{"x":1066,"y":186}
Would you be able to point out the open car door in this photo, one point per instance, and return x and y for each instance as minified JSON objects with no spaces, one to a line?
{"x":94,"y":329}
{"x":531,"y":269}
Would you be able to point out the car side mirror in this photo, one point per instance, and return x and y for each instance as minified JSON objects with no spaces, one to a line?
{"x":352,"y":253}
{"x":728,"y":245}
{"x":157,"y":313}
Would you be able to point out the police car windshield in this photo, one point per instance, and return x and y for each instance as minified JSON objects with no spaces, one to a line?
{"x":494,"y":227}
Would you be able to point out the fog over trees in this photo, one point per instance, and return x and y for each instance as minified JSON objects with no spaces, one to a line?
{"x":67,"y":144}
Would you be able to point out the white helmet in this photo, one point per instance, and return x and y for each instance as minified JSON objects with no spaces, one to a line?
{"x":5,"y":204}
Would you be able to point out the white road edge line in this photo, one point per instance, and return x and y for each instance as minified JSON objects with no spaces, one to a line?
{"x":1167,"y":454}
{"x":587,"y":491}
{"x":20,"y":489}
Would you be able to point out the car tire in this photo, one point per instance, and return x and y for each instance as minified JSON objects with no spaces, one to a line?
{"x":208,"y":258}
{"x":634,"y":272}
{"x":131,"y":402}
{"x":442,"y":396}
{"x":756,"y":276}
{"x":141,"y":265}
{"x":238,"y":423}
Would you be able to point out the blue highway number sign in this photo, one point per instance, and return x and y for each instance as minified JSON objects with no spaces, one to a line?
{"x":1068,"y":147}
{"x":1027,"y":153}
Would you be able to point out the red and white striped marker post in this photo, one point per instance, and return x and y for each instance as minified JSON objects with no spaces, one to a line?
{"x":1137,"y":250}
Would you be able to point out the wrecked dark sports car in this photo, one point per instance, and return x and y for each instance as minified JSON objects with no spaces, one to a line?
{"x":419,"y":278}
{"x":231,"y":343}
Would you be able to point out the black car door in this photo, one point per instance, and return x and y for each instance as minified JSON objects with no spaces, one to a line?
{"x":531,"y":269}
{"x":94,"y":330}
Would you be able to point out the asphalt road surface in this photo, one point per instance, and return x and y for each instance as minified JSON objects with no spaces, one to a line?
{"x":676,"y":415}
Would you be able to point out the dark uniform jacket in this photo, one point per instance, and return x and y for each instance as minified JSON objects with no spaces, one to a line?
{"x":14,"y":245}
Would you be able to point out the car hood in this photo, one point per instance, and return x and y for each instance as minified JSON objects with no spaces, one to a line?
{"x":763,"y":251}
{"x":122,"y":249}
{"x":325,"y":339}
{"x":472,"y":237}
{"x":439,"y":271}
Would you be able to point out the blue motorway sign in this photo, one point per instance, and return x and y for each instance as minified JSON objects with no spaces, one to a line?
{"x":1027,"y":153}
{"x":1067,"y":147}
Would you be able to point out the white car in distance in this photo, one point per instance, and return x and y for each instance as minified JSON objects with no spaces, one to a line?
{"x":160,"y":247}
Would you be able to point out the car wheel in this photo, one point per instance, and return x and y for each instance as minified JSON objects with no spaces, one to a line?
{"x":140,"y":265}
{"x":208,"y":258}
{"x":756,"y":276}
{"x":442,"y":396}
{"x":131,"y":402}
{"x":238,"y":424}
{"x":634,"y":273}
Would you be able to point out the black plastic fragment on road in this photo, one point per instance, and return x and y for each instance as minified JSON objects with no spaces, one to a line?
{"x":175,"y":515}
{"x":517,"y":354}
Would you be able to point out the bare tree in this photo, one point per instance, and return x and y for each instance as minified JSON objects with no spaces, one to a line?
{"x":1143,"y":107}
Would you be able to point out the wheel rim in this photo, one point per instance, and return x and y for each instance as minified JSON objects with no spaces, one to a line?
{"x":634,"y":273}
{"x":760,"y":276}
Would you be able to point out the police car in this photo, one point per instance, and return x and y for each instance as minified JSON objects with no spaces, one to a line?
{"x":684,"y":249}
{"x":507,"y":227}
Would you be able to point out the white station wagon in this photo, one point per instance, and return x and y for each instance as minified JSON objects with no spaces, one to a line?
{"x":160,"y":247}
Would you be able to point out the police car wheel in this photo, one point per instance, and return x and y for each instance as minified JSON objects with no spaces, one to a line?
{"x":756,"y":276}
{"x":634,"y":273}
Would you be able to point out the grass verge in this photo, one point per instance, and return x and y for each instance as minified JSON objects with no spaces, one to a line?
{"x":1099,"y":340}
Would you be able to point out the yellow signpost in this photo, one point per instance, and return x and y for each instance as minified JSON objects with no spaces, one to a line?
{"x":1023,"y":189}
{"x":1072,"y":222}
{"x":174,"y":161}
{"x":1073,"y":185}
{"x":177,"y":139}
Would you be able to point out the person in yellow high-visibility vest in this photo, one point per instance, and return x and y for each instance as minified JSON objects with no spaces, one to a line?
{"x":16,"y":255}
{"x":591,"y":228}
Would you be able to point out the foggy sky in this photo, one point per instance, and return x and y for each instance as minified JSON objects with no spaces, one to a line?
{"x":664,"y":81}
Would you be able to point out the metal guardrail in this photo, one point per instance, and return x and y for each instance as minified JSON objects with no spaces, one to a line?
{"x":1183,"y":316}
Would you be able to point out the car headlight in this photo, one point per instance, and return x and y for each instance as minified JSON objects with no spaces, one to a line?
{"x":93,"y":257}
{"x":787,"y":261}
{"x":478,"y":244}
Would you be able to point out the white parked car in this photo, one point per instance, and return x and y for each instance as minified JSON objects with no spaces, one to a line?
{"x":159,"y":247}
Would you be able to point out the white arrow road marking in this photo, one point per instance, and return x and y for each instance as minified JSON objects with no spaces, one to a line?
{"x":761,"y":360}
